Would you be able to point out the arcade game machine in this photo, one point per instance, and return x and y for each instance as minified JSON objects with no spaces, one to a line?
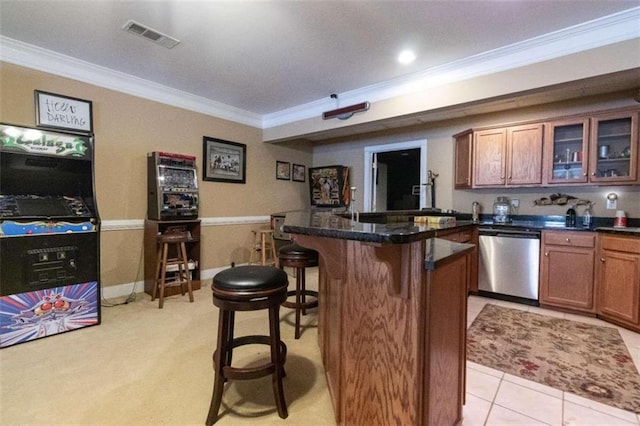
{"x":49,"y":234}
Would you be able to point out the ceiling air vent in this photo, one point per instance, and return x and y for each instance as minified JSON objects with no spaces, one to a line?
{"x":151,"y":34}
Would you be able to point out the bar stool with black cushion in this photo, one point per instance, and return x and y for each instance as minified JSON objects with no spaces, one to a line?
{"x":176,"y":243}
{"x":248,"y":288}
{"x":298,"y":257}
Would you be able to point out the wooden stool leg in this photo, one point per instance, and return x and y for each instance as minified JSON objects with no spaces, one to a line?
{"x":183,"y":249}
{"x":276,"y":359}
{"x":274,"y":253}
{"x":263,"y":246}
{"x":303,"y":288}
{"x":154,"y":292}
{"x":298,"y":305}
{"x":163,"y":274}
{"x":219,"y":359}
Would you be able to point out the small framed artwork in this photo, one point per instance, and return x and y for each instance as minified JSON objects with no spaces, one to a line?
{"x":298,"y":172}
{"x":283,"y":170}
{"x":63,"y":112}
{"x":224,"y":161}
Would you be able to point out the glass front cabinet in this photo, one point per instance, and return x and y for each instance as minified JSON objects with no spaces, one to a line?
{"x":603,"y":148}
{"x":614,"y":148}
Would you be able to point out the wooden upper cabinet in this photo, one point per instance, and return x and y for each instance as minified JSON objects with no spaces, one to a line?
{"x":489,"y":157}
{"x":566,"y":151}
{"x":463,"y":158}
{"x":524,"y":155}
{"x":613,"y":156}
{"x":510,"y":156}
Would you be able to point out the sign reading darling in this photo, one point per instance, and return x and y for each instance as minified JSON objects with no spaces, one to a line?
{"x":38,"y":142}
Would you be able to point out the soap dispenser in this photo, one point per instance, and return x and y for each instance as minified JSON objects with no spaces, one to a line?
{"x":570,"y":218}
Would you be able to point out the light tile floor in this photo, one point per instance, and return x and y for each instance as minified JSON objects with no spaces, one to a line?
{"x":497,"y":398}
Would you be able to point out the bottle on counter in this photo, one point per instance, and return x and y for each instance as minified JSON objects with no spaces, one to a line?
{"x":586,"y":217}
{"x":475,"y":211}
{"x":570,"y":218}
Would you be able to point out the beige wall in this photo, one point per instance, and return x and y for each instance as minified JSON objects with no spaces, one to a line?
{"x":440,"y":160}
{"x":126,"y":128}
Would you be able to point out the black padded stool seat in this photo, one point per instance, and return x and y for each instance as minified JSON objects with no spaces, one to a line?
{"x":248,"y":288}
{"x":178,"y":241}
{"x":298,"y":257}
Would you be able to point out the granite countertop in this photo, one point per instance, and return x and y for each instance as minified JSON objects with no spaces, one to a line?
{"x":439,"y":250}
{"x":326,"y":224}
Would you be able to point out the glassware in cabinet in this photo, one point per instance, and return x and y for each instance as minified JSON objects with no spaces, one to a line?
{"x":614,"y":144}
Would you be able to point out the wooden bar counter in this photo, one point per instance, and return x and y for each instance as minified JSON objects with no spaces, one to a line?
{"x":392,"y":319}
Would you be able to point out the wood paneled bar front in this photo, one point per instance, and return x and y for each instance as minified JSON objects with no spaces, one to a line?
{"x":392,"y":318}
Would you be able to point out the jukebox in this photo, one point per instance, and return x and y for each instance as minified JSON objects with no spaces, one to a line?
{"x":49,"y":234}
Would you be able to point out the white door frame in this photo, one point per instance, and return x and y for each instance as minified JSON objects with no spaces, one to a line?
{"x":369,"y":188}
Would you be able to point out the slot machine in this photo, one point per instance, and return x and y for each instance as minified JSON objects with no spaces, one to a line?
{"x":49,"y":234}
{"x":172,"y":186}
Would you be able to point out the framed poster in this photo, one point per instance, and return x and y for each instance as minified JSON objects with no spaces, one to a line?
{"x":283,"y":170}
{"x":298,"y":172}
{"x":63,"y":112}
{"x":224,"y":161}
{"x":329,"y":186}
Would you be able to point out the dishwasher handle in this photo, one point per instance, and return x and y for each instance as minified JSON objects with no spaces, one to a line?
{"x":507,"y":233}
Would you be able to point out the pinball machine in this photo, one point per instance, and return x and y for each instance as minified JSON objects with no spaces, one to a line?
{"x":49,"y":234}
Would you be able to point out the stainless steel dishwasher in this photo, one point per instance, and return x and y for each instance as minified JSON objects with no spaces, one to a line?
{"x":508,"y":266}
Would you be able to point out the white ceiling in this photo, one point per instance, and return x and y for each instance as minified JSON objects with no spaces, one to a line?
{"x":263,"y":57}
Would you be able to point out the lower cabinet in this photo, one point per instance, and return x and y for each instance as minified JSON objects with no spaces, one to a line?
{"x":467,"y":235}
{"x":567,"y":270}
{"x":618,"y":278}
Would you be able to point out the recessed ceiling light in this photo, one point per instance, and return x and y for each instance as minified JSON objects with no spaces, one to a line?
{"x":406,"y":57}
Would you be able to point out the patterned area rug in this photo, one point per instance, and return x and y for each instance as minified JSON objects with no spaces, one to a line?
{"x":583,"y":359}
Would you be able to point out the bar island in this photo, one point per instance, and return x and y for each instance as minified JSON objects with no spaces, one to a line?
{"x":392,"y":318}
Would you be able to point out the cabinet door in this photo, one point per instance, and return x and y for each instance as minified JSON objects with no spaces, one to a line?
{"x":566,"y":277}
{"x":489,"y":157}
{"x":463,"y":160}
{"x":524,"y":155}
{"x":619,"y":286}
{"x":566,"y":151}
{"x":614,"y":148}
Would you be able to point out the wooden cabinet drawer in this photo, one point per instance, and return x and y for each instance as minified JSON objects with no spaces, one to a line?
{"x":619,"y":243}
{"x":568,"y":238}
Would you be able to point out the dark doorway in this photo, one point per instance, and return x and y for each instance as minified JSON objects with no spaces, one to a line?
{"x":402,"y":174}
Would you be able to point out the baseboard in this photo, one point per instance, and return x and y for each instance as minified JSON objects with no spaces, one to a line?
{"x":124,"y":290}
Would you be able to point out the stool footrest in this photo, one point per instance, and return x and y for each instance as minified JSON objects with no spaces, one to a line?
{"x":248,"y":373}
{"x":305,"y":305}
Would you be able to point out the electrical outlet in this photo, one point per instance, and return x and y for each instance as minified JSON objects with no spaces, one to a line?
{"x":515,"y":203}
{"x":612,"y":204}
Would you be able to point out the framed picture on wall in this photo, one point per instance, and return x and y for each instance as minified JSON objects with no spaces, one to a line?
{"x":298,"y":172}
{"x":283,"y":170}
{"x":63,"y":112}
{"x":224,"y":161}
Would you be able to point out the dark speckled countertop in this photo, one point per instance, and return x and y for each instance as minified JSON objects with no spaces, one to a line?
{"x":326,"y":224}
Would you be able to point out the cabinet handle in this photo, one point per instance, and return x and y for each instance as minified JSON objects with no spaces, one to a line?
{"x":546,"y":253}
{"x":593,"y":173}
{"x":567,"y":240}
{"x":584,"y":174}
{"x":602,"y":259}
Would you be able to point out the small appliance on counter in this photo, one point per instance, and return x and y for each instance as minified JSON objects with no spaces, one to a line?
{"x":502,"y":210}
{"x":621,"y":219}
{"x":570,"y":218}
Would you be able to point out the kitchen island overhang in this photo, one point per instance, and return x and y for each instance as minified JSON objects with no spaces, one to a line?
{"x":392,"y":318}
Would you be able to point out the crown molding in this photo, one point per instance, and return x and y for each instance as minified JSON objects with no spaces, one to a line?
{"x":600,"y":32}
{"x":30,"y":56}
